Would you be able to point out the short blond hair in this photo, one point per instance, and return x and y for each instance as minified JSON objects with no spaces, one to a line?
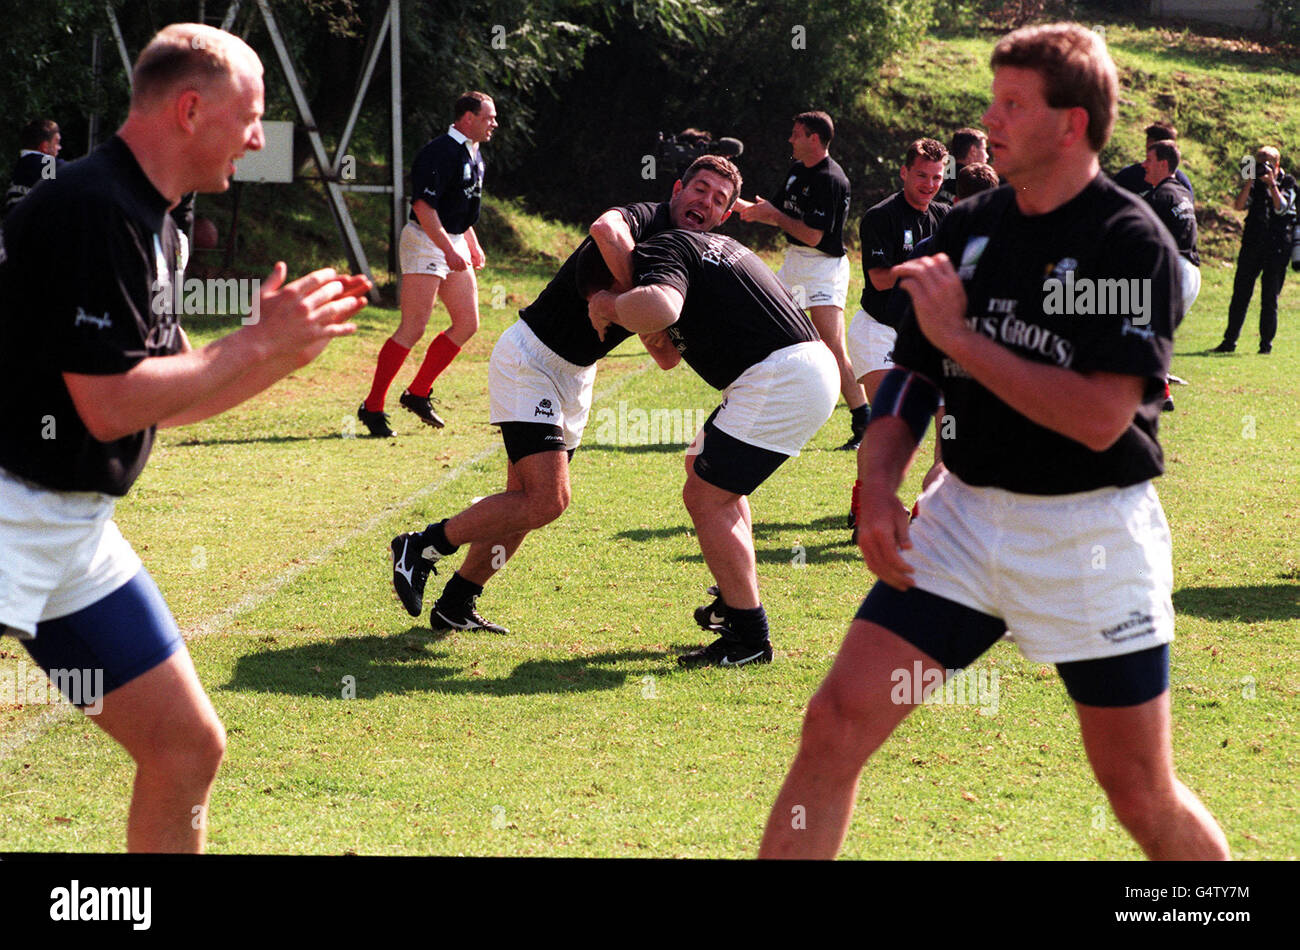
{"x":187,"y":56}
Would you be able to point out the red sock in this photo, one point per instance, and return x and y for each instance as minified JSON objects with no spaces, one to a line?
{"x":441,"y":352}
{"x":856,"y":501}
{"x":391,"y":358}
{"x":1166,"y":389}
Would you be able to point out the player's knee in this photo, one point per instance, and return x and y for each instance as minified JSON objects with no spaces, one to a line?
{"x":1137,"y":797}
{"x":193,"y":754}
{"x":545,"y":506}
{"x":836,"y":727}
{"x":696,"y":496}
{"x":464,"y":325}
{"x":409,"y":331}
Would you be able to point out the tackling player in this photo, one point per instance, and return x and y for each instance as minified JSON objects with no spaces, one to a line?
{"x":540,"y":383}
{"x":738,"y":327}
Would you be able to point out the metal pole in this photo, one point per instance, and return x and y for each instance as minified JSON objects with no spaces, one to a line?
{"x":395,"y":118}
{"x":342,"y":217}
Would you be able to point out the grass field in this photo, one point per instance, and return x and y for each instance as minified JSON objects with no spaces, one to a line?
{"x":354,"y":729}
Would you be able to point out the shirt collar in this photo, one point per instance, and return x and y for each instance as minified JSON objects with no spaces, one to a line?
{"x":455,"y":133}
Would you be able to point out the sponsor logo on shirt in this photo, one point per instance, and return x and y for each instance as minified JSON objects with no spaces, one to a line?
{"x":99,"y":323}
{"x":1002,"y":324}
{"x":970,"y":255}
{"x":716,"y":251}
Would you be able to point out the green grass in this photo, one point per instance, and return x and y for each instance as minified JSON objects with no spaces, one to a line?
{"x":576,"y":734}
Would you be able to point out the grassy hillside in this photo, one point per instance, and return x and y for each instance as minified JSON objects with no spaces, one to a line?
{"x":1226,"y":97}
{"x":1225,"y":94}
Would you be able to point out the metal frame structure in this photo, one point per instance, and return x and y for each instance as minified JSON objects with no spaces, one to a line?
{"x":330,"y":170}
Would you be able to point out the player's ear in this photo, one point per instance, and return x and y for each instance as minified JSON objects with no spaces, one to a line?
{"x":677,"y":187}
{"x":185,"y":108}
{"x":1077,"y":119}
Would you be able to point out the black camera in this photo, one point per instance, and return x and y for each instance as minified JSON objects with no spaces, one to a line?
{"x":677,"y":150}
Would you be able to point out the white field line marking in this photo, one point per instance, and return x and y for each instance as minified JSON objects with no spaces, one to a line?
{"x":31,"y":731}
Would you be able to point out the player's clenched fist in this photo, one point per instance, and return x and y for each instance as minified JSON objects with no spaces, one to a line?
{"x":938,"y":296}
{"x":882,"y":533}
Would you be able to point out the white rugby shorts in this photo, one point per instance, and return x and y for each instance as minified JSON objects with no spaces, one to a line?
{"x":1074,"y":577}
{"x":816,"y":279}
{"x":779,"y":403}
{"x":1189,"y":277}
{"x":60,"y":552}
{"x":870,"y":345}
{"x":419,"y":255}
{"x":528,"y":382}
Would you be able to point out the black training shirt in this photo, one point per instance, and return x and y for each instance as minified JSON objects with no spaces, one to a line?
{"x":559,"y":314}
{"x":82,"y":258}
{"x":448,"y":177}
{"x":1134,"y":178}
{"x":1005,"y":260}
{"x":819,"y":197}
{"x":1172,"y":204}
{"x":31,"y":169}
{"x":890,"y":231}
{"x":736,"y":312}
{"x":1267,"y":226}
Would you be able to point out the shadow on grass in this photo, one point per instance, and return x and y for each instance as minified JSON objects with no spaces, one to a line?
{"x":1242,"y":604}
{"x":664,"y":448}
{"x":841,"y":549}
{"x":411,"y":662}
{"x":763,"y":530}
{"x":263,"y":439}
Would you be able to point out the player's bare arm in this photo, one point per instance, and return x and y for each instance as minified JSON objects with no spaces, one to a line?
{"x":477,"y":259}
{"x":661,"y":348}
{"x":883,"y":460}
{"x":762,"y":211}
{"x":432,"y":224}
{"x":882,"y":278}
{"x":614,"y":238}
{"x":295,"y":323}
{"x":1092,"y":408}
{"x":649,"y":308}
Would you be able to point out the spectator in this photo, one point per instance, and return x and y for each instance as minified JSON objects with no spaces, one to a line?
{"x":1133,"y":177}
{"x":1270,"y":197}
{"x":38,"y":159}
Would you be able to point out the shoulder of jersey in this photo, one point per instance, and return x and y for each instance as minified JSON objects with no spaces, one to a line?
{"x":883,"y":203}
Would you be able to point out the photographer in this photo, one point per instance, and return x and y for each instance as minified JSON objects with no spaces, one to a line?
{"x":1265,"y":246}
